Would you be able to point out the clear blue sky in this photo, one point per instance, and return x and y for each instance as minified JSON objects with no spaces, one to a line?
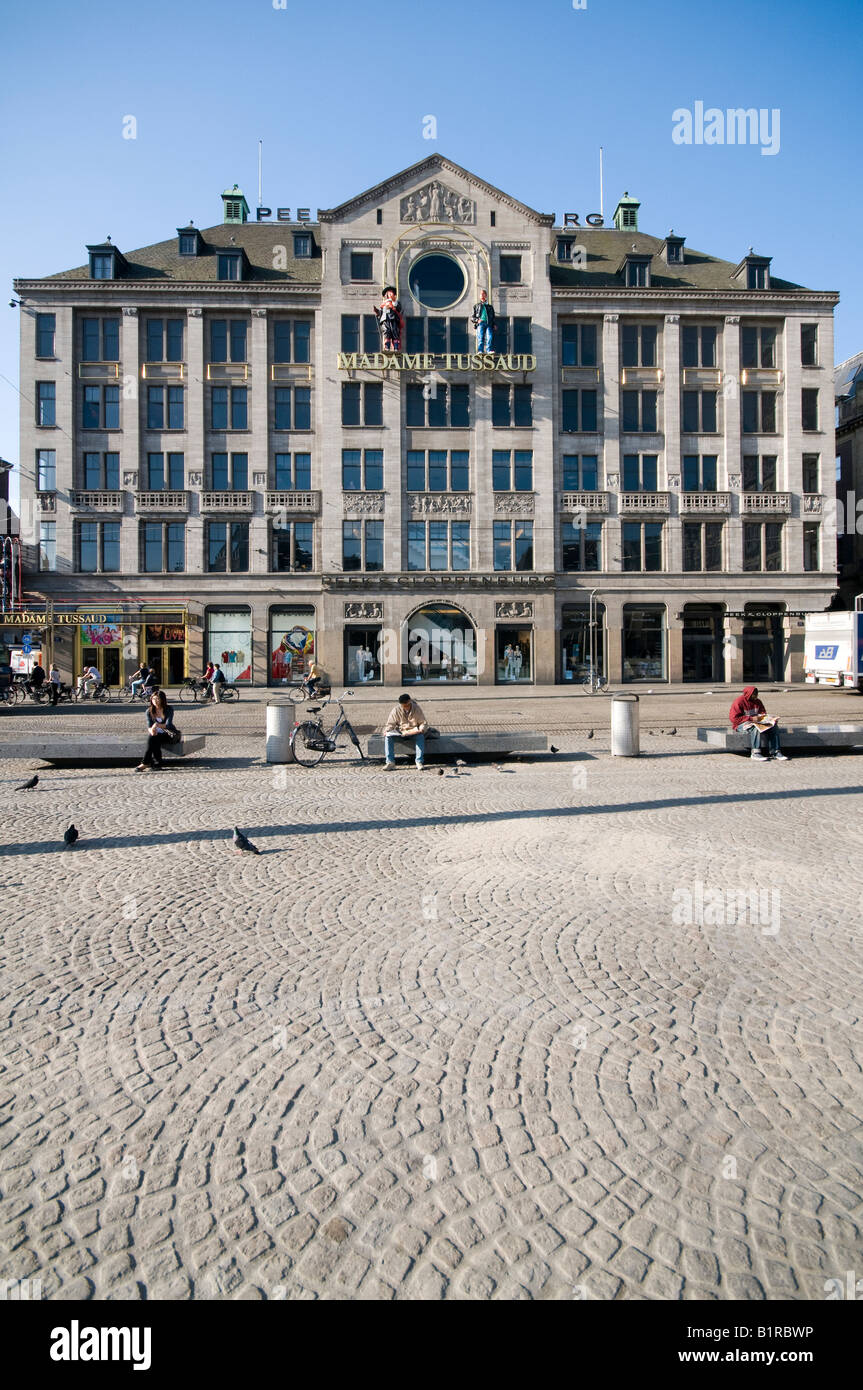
{"x":523,"y":95}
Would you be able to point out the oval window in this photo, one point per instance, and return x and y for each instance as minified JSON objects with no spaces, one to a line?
{"x":436,"y":281}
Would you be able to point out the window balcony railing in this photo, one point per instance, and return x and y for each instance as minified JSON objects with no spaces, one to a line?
{"x":644,"y":502}
{"x":813,"y":503}
{"x":100,"y":371}
{"x":161,"y":501}
{"x":641,"y":376}
{"x":97,"y":501}
{"x":757,"y":503}
{"x":702,"y":376}
{"x":705,"y":502}
{"x":584,"y":502}
{"x":227,"y":501}
{"x":306,"y":502}
{"x":761,"y":376}
{"x":163,"y":371}
{"x":228,"y":371}
{"x":46,"y":501}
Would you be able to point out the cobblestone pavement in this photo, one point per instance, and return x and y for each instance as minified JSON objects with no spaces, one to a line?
{"x":510,"y":1033}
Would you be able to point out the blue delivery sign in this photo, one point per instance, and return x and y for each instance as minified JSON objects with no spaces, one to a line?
{"x":826,"y":653}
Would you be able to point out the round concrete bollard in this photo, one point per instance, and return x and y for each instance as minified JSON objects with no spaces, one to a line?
{"x":624,"y":726}
{"x":280,"y":722}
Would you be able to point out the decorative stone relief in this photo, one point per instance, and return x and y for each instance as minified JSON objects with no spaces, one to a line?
{"x":513,"y":609}
{"x":732,"y":319}
{"x":610,"y":318}
{"x":514,"y":503}
{"x":259,"y":479}
{"x":364,"y":610}
{"x":196,"y":480}
{"x":672,"y":318}
{"x":674,"y":480}
{"x":259,"y":313}
{"x":364,"y":503}
{"x":613,"y":480}
{"x":130,"y":479}
{"x":195,"y":313}
{"x":434,"y":202}
{"x":734,"y":480}
{"x":434,"y":503}
{"x":130,"y":312}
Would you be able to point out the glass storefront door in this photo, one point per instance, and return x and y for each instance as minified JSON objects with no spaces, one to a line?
{"x":702,"y":642}
{"x":762,"y":643}
{"x":165,"y":652}
{"x":362,"y":654}
{"x":575,"y":641}
{"x":513,"y":654}
{"x":644,"y":646}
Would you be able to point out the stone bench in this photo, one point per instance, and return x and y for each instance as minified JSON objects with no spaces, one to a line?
{"x":92,"y":748}
{"x":465,"y":745}
{"x":795,"y":736}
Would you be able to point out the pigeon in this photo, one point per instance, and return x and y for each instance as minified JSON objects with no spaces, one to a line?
{"x":28,"y":786}
{"x":553,"y":749}
{"x":242,"y":845}
{"x":590,"y":734}
{"x":440,"y":772}
{"x":70,"y":836}
{"x":459,"y":763}
{"x":672,"y":731}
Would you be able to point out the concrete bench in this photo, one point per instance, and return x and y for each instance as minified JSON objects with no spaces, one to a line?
{"x":463,"y":745}
{"x":796,"y":736}
{"x":92,"y":748}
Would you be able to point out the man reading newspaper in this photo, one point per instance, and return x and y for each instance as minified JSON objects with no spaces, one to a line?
{"x":749,"y":715}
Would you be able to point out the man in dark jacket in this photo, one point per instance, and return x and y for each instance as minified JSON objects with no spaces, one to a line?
{"x":482,"y":319}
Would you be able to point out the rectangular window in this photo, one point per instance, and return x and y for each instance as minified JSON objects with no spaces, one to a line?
{"x":698,"y":345}
{"x":174,"y":340}
{"x":699,"y":412}
{"x":361,"y":265}
{"x":639,"y":412}
{"x":239,"y":408}
{"x":809,"y":408}
{"x":759,"y":412}
{"x":638,"y":345}
{"x":46,"y":325}
{"x":302,"y":245}
{"x":578,"y":344}
{"x":292,"y":547}
{"x":636,"y":274}
{"x":166,"y":472}
{"x":510,"y":270}
{"x":757,"y":346}
{"x":46,"y":470}
{"x":759,"y":474}
{"x":808,"y":345}
{"x":581,"y":546}
{"x":580,"y":472}
{"x":642,"y":545}
{"x":47,"y":545}
{"x":579,"y":411}
{"x":756,"y":277}
{"x":91,"y":342}
{"x":98,"y":547}
{"x":811,"y":473}
{"x":229,"y":266}
{"x":513,"y":545}
{"x":437,"y":471}
{"x":640,"y":472}
{"x":512,"y":471}
{"x":154,"y":333}
{"x":438,"y":545}
{"x":227,"y":546}
{"x":811,"y":532}
{"x":702,"y":545}
{"x":101,"y":266}
{"x":292,"y":472}
{"x":110,"y":546}
{"x":362,"y":470}
{"x":699,"y":472}
{"x":46,"y":403}
{"x":437,"y":406}
{"x":762,"y":546}
{"x":282,"y":340}
{"x":218,"y":406}
{"x":100,"y":340}
{"x":363,"y":546}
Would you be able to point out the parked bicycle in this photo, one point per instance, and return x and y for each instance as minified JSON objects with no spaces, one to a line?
{"x":594,"y":682}
{"x":311,"y":741}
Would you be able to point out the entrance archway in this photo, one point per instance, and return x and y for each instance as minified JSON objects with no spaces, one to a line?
{"x":439,"y":642}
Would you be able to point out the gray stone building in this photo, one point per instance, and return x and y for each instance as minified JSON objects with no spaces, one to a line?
{"x":848,"y":387}
{"x":222,"y":456}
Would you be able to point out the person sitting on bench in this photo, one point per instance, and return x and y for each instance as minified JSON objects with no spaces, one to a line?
{"x":406,"y":720}
{"x":749,"y":715}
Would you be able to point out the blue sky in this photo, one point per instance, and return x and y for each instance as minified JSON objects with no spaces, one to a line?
{"x":523,"y":95}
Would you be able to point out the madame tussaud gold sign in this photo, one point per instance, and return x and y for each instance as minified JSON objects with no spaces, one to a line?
{"x":439,"y":362}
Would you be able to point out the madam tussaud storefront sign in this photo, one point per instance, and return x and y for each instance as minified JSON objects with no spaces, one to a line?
{"x":437,"y":362}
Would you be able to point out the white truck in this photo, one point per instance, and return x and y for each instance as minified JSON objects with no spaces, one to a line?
{"x":834,"y":649}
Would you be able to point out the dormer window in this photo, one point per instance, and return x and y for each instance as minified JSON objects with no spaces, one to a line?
{"x":101,"y":266}
{"x":754,"y":272}
{"x":564,"y":248}
{"x":190,"y":241}
{"x":756,"y":277}
{"x":636,"y":272}
{"x":302,"y":245}
{"x":673,"y":249}
{"x":230,"y":265}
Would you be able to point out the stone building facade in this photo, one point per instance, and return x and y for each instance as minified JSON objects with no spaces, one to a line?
{"x":221,"y":458}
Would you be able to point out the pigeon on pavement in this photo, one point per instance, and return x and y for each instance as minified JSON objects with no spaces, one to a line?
{"x":28,"y":786}
{"x":672,"y":731}
{"x":242,"y":845}
{"x":553,"y":749}
{"x":459,"y":763}
{"x":70,"y":836}
{"x":439,"y":771}
{"x":590,"y":734}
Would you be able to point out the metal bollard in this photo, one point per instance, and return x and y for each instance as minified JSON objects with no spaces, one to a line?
{"x":280,"y":722}
{"x":624,"y":726}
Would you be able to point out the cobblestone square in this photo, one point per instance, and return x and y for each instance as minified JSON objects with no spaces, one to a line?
{"x":578,"y":1027}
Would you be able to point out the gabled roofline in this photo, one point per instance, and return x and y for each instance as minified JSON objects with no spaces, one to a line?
{"x":434,"y":163}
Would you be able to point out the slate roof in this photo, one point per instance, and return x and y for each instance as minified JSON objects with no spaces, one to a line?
{"x":848,"y":376}
{"x":607,"y":247}
{"x":162,"y":260}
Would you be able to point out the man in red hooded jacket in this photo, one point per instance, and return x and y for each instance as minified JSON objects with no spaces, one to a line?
{"x":765,"y":743}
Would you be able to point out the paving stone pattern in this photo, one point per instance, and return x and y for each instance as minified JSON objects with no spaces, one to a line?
{"x":445,"y":1038}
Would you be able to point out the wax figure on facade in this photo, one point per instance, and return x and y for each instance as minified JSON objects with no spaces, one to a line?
{"x":482,"y":318}
{"x":389,"y":317}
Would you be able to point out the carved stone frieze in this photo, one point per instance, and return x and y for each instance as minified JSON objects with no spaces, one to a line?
{"x":440,"y":503}
{"x":613,"y":480}
{"x":130,"y":312}
{"x":196,"y":479}
{"x":734,"y":480}
{"x":130,"y":478}
{"x":513,"y":504}
{"x":434,"y":202}
{"x":514,"y":608}
{"x":364,"y":610}
{"x":364,"y":503}
{"x":674,"y":480}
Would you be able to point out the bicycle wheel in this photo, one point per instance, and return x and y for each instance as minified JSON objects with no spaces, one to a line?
{"x":187,"y":692}
{"x":230,"y":692}
{"x":103,"y":694}
{"x":307,"y":744}
{"x":296,"y":695}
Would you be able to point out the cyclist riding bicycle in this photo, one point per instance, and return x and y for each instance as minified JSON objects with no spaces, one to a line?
{"x":89,"y":677}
